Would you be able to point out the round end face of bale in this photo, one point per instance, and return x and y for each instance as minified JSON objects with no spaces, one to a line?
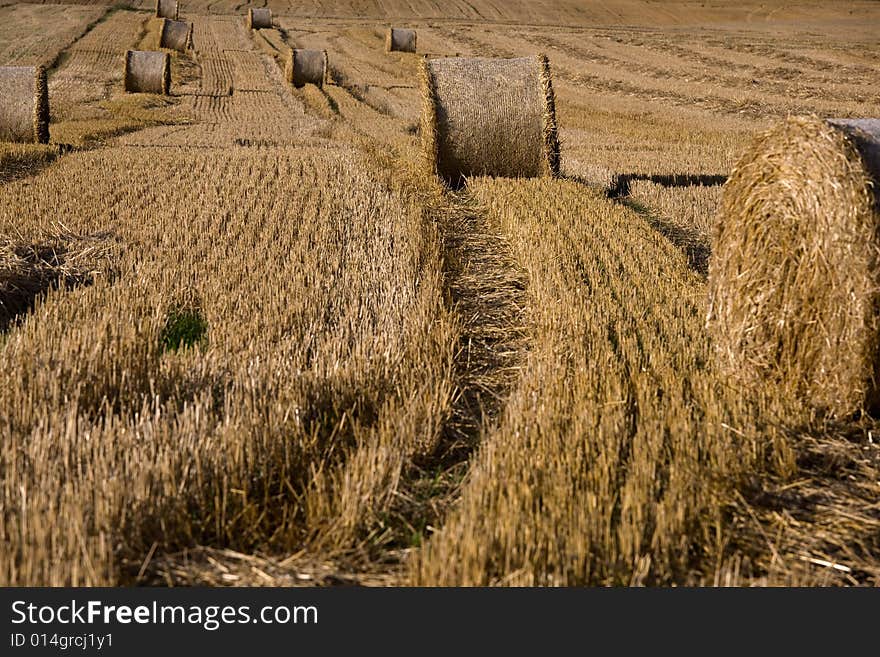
{"x":400,"y":40}
{"x":306,"y":67}
{"x":147,"y":71}
{"x":175,"y":35}
{"x":24,"y":104}
{"x":488,"y":117}
{"x":794,"y":279}
{"x":259,"y":18}
{"x":167,"y":9}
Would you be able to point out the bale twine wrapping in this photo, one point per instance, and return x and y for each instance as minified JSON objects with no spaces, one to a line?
{"x":24,"y":104}
{"x":489,"y":117}
{"x":306,"y":67}
{"x":176,"y":35}
{"x":167,"y":9}
{"x":147,"y":71}
{"x":259,"y":18}
{"x":794,"y":279}
{"x":400,"y":40}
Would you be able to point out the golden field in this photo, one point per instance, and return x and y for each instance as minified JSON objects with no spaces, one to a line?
{"x":245,"y":340}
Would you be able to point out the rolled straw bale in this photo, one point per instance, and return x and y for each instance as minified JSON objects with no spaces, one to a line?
{"x":259,"y":18}
{"x":175,"y":35}
{"x":306,"y":67}
{"x":147,"y":71}
{"x":167,"y":9}
{"x":400,"y":39}
{"x":794,"y":279}
{"x":24,"y":104}
{"x":492,"y":117}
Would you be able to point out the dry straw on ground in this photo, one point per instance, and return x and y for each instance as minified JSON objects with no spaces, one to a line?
{"x":147,"y":71}
{"x":24,"y":104}
{"x":259,"y":18}
{"x":493,"y":117}
{"x":400,"y":40}
{"x":167,"y":9}
{"x":176,"y":35}
{"x":794,"y":281}
{"x":306,"y":67}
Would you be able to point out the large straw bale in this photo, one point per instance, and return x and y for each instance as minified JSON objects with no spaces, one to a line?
{"x":306,"y":67}
{"x":400,"y":39}
{"x":259,"y":18}
{"x":24,"y":104}
{"x":493,"y":117}
{"x":167,"y":9}
{"x":794,"y":280}
{"x":147,"y":71}
{"x":176,"y":35}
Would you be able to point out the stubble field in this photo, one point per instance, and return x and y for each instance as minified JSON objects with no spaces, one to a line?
{"x":246,"y":340}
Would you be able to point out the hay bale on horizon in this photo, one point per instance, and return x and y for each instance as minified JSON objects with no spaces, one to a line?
{"x":399,"y":39}
{"x":306,"y":67}
{"x":259,"y":18}
{"x":167,"y":9}
{"x":24,"y":104}
{"x":175,"y":35}
{"x":147,"y":71}
{"x":489,"y":117}
{"x":794,"y":278}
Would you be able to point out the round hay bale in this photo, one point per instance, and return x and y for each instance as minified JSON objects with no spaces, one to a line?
{"x":259,"y":18}
{"x":148,"y":72}
{"x":176,"y":35}
{"x":794,"y":279}
{"x":489,"y":117}
{"x":167,"y":9}
{"x":24,"y":104}
{"x":400,"y":39}
{"x":306,"y":67}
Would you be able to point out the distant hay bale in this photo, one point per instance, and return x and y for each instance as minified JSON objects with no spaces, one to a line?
{"x":306,"y":67}
{"x":167,"y":9}
{"x":175,"y":35}
{"x":259,"y":18}
{"x":400,"y":40}
{"x":147,"y":71}
{"x":794,"y":279}
{"x":489,"y":117}
{"x":24,"y":104}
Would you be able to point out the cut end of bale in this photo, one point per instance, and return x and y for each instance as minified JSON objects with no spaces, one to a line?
{"x":175,"y":35}
{"x":167,"y":9}
{"x":24,"y":104}
{"x":259,"y":18}
{"x":306,"y":67}
{"x":147,"y":71}
{"x":399,"y":39}
{"x":794,"y":280}
{"x":489,"y":117}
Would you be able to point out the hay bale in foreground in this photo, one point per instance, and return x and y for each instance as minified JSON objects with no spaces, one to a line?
{"x":176,"y":35}
{"x":167,"y":9}
{"x":400,"y":39}
{"x":306,"y":67}
{"x":794,"y":279}
{"x":489,"y":117}
{"x":147,"y":71}
{"x":24,"y":104}
{"x":259,"y":18}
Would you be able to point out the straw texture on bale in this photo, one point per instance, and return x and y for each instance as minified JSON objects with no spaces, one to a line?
{"x":400,"y":40}
{"x":167,"y":9}
{"x":147,"y":71}
{"x":794,"y":280}
{"x":175,"y":35}
{"x":259,"y":18}
{"x":489,"y":117}
{"x":24,"y":104}
{"x":306,"y":67}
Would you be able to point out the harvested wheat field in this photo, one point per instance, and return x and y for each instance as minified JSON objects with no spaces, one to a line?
{"x":248,"y":336}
